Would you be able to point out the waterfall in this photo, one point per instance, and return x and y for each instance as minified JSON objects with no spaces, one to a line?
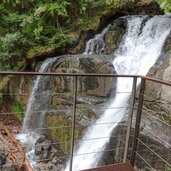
{"x":138,"y":51}
{"x":35,"y":110}
{"x":97,"y":44}
{"x":37,"y":103}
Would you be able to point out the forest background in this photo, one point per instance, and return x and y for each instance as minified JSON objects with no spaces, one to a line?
{"x":29,"y":28}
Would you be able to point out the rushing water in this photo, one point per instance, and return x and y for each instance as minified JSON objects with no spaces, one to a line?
{"x":35,"y":110}
{"x":138,"y":51}
{"x":97,"y":44}
{"x":37,"y":101}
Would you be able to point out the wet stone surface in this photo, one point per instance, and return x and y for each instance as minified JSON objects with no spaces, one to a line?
{"x":46,"y":156}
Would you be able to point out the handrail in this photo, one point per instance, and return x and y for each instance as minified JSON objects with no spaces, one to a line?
{"x":138,"y":101}
{"x":85,"y":74}
{"x":66,"y":74}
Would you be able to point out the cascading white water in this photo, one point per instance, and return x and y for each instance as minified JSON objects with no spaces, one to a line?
{"x":34,"y":101}
{"x":137,"y":52}
{"x":97,"y":44}
{"x":36,"y":107}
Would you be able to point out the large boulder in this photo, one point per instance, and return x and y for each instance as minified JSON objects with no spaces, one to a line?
{"x":56,"y":94}
{"x":114,"y":35}
{"x":91,"y":92}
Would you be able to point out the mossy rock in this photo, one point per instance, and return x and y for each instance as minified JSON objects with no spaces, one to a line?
{"x":17,"y":108}
{"x":4,"y":81}
{"x":84,"y":111}
{"x":114,"y":35}
{"x":59,"y":130}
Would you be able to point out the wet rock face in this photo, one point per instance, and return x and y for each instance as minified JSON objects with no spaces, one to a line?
{"x":95,"y":64}
{"x":114,"y":35}
{"x":90,"y":91}
{"x":159,"y":99}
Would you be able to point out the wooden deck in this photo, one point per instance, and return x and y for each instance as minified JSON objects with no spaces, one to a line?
{"x":114,"y":167}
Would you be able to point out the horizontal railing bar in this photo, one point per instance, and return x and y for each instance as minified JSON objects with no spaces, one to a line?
{"x":49,"y":93}
{"x":154,"y":152}
{"x":60,"y":110}
{"x":105,"y":123}
{"x":89,"y":139}
{"x":85,"y":74}
{"x":98,"y":152}
{"x":156,"y":80}
{"x":66,"y":142}
{"x":37,"y":145}
{"x":66,"y":74}
{"x":116,"y":107}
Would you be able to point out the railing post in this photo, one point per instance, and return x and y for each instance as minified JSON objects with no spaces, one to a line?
{"x":138,"y":120}
{"x":73,"y":122}
{"x":130,"y":118}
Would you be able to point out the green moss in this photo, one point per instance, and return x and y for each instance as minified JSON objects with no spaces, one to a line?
{"x":60,"y":130}
{"x":18,"y":110}
{"x":168,"y":169}
{"x":168,"y":47}
{"x":38,"y":51}
{"x":86,"y":112}
{"x":167,"y":118}
{"x":4,"y":81}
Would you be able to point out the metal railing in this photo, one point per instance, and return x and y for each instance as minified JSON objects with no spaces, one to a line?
{"x":132,"y":135}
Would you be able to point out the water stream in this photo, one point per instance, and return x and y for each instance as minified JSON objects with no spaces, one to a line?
{"x":35,"y":111}
{"x":37,"y":104}
{"x":137,"y":53}
{"x":96,"y":45}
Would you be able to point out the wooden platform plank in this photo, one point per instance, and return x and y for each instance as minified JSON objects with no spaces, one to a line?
{"x":114,"y":167}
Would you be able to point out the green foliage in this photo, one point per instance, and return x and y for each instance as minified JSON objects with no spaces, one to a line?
{"x":118,"y":3}
{"x":8,"y":44}
{"x":17,"y":109}
{"x":165,"y":4}
{"x":52,"y":9}
{"x":168,"y":169}
{"x":31,"y":26}
{"x":11,"y":45}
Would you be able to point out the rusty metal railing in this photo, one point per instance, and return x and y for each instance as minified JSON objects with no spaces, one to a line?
{"x":136,"y":102}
